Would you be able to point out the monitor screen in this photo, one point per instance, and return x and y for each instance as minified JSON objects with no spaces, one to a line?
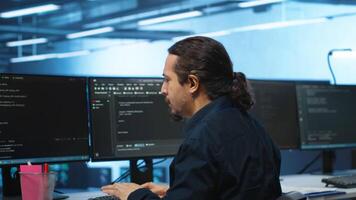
{"x":130,"y":119}
{"x":43,"y":119}
{"x":327,"y":116}
{"x":276,"y":110}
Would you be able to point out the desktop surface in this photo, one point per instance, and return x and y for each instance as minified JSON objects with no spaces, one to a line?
{"x":71,"y":194}
{"x":304,"y":183}
{"x":307,"y":183}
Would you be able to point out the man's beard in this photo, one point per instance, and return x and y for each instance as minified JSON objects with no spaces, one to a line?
{"x":175,"y":117}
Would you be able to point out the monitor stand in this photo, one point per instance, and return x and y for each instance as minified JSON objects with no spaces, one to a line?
{"x":353,"y":159}
{"x":141,"y":175}
{"x":328,"y":161}
{"x":11,"y":186}
{"x":328,"y":164}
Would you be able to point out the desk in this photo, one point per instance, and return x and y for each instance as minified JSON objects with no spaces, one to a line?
{"x":303,"y":183}
{"x":312,"y":183}
{"x":84,"y":195}
{"x":72,"y":195}
{"x":309,"y":183}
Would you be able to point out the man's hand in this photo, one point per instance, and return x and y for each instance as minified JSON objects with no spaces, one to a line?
{"x":160,"y":190}
{"x":121,"y":190}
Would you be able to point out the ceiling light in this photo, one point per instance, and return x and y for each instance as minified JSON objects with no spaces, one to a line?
{"x":217,"y":33}
{"x":72,"y":54}
{"x":281,"y":24}
{"x":26,"y":42}
{"x":170,"y":18}
{"x":121,"y":19}
{"x":90,"y":32}
{"x":257,"y":27}
{"x":29,"y":11}
{"x":249,"y":4}
{"x":32,"y":58}
{"x":49,"y":56}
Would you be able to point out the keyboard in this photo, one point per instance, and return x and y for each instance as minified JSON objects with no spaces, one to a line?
{"x":348,"y":181}
{"x":106,"y":197}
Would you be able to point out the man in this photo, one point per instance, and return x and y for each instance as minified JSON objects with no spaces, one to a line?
{"x":226,"y":154}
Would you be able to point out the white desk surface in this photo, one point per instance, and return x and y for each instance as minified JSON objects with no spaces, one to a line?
{"x":304,"y":183}
{"x":312,"y":183}
{"x":72,"y":195}
{"x":84,"y":195}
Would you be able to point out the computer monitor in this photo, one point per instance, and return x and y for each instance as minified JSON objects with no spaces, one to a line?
{"x":327,"y":116}
{"x":130,"y":119}
{"x":42,"y":119}
{"x":327,"y":119}
{"x":276,"y":109}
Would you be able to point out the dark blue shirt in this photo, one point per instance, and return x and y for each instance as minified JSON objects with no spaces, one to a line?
{"x":226,"y":155}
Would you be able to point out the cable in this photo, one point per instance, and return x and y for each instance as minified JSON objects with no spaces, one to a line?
{"x":140,"y":166}
{"x":160,"y":161}
{"x":310,"y":163}
{"x":330,"y":68}
{"x":125,"y":174}
{"x":330,"y":53}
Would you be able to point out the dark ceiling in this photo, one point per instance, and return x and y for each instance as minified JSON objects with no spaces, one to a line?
{"x":80,"y":15}
{"x":74,"y":16}
{"x":122,"y":15}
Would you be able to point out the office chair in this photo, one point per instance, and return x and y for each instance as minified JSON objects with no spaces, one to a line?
{"x":292,"y":196}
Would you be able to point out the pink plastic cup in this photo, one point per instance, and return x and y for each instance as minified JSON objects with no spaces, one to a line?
{"x":37,"y":186}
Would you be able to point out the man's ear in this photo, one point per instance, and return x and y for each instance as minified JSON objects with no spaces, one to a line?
{"x":194,"y":83}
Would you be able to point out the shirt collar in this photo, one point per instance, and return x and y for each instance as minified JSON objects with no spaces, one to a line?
{"x":212,"y":107}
